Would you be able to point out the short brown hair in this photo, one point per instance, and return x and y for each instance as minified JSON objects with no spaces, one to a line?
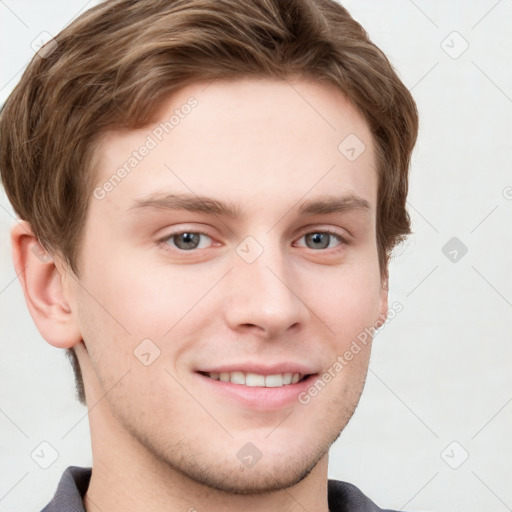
{"x":115,"y":64}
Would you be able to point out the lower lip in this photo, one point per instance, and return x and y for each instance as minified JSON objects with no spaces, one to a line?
{"x":261,"y":398}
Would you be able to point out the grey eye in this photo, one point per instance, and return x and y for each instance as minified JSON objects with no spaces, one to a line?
{"x":320,"y":240}
{"x":187,"y":240}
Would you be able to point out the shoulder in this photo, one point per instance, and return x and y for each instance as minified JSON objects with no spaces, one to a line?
{"x":345,"y":497}
{"x":70,"y":491}
{"x":342,"y":496}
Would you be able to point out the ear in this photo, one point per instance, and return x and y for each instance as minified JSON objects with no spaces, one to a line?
{"x":43,"y":288}
{"x":384,"y":305}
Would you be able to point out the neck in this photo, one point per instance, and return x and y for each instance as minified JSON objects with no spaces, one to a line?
{"x":126,"y":476}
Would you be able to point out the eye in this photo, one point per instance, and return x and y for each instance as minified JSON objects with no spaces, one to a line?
{"x":188,"y":240}
{"x":322,"y":240}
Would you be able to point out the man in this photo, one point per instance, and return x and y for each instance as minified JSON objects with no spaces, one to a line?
{"x":209,"y":192}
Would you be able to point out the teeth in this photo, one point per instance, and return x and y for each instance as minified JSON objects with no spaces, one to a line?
{"x":237,"y":377}
{"x":255,"y":379}
{"x":287,"y":378}
{"x":274,"y":381}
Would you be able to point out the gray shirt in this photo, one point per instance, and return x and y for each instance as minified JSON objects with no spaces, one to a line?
{"x":342,"y":497}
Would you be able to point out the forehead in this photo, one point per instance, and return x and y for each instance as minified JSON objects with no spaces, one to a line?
{"x":256,"y":141}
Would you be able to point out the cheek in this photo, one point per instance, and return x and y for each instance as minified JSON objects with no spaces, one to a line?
{"x":348,"y":309}
{"x":350,"y":300}
{"x":140,"y":299}
{"x":131,"y":308}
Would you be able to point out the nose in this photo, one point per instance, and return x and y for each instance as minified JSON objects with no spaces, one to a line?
{"x":263,"y":297}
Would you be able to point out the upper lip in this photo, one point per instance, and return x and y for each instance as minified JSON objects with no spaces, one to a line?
{"x":262,"y":369}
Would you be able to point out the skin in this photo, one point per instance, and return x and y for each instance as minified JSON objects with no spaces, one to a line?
{"x":161,"y":440}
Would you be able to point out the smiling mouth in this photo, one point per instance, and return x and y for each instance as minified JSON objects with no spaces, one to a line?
{"x":257,"y":380}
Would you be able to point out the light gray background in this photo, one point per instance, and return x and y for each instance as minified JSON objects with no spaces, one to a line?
{"x":441,"y":370}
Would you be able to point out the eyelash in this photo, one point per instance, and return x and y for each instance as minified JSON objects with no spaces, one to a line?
{"x":163,"y":241}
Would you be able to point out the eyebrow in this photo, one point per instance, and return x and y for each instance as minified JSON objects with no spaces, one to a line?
{"x":208,"y":205}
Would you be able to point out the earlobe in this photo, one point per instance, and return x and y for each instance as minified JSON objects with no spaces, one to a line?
{"x":384,"y":305}
{"x":43,"y":288}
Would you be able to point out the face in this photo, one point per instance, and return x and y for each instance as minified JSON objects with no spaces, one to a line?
{"x":239,"y":247}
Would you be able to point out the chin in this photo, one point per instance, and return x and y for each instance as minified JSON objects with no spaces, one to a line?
{"x":262,"y":478}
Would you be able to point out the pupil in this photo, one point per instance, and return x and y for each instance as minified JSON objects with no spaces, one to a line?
{"x":187,"y":240}
{"x":319,"y":240}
